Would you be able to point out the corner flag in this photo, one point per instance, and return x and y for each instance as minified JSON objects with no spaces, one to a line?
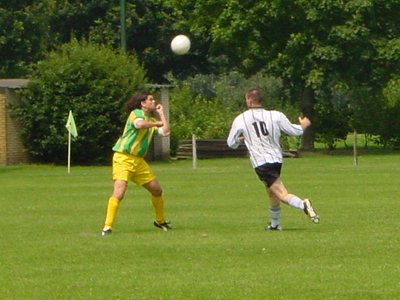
{"x":71,"y":127}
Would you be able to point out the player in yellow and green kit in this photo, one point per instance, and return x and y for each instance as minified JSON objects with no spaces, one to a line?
{"x":128,"y":160}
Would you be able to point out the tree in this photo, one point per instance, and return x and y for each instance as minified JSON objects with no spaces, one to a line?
{"x":311,"y":44}
{"x":75,"y":18}
{"x":317,"y":47}
{"x":150,"y":24}
{"x":24,"y":34}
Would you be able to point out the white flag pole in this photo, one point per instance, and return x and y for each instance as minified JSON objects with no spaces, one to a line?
{"x":71,"y":127}
{"x":194,"y":151}
{"x":69,"y":152}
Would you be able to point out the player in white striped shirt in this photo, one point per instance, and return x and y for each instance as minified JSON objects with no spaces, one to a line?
{"x":260,"y":130}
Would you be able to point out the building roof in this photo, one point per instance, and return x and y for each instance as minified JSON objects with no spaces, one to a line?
{"x":13,"y":83}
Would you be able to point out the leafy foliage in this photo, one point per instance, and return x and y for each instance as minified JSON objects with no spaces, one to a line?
{"x":206,"y":105}
{"x":23,"y":36}
{"x":312,"y":46}
{"x":90,"y":80}
{"x":330,"y":123}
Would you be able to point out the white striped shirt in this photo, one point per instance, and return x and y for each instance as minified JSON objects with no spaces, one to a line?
{"x":261,"y":130}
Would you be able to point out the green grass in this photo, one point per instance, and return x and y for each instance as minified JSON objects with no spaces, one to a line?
{"x":51,"y":246}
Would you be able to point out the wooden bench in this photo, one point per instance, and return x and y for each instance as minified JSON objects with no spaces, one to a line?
{"x":216,"y":148}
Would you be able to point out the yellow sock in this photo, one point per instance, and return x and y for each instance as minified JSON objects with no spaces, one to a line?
{"x":112,"y":209}
{"x":158,"y":204}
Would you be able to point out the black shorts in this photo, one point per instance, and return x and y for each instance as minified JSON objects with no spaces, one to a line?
{"x":269,"y":173}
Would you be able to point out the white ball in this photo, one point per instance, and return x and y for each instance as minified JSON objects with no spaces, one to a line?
{"x":180,"y":44}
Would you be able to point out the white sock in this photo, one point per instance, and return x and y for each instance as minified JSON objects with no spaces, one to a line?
{"x":275,"y":216}
{"x":295,"y":202}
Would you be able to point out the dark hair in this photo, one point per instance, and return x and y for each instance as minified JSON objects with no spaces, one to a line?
{"x":256,"y":94}
{"x":135,"y":101}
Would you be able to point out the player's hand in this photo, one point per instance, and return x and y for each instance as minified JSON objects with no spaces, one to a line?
{"x":158,"y":124}
{"x":239,"y":139}
{"x":159,"y":109}
{"x":304,"y":122}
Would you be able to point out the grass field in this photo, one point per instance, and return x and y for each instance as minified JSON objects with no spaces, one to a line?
{"x":51,"y":246}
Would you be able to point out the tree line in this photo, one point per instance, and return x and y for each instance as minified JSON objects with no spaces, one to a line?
{"x":337,"y":61}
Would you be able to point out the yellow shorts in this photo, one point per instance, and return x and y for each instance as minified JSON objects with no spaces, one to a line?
{"x":131,"y":168}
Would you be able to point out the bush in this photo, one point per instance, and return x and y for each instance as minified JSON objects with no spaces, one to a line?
{"x":205,"y":105}
{"x":191,"y":114}
{"x":92,"y":81}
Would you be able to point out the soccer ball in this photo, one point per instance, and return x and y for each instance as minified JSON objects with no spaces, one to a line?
{"x":180,"y":44}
